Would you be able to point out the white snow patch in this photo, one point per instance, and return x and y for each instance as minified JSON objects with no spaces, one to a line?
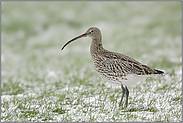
{"x":32,"y":94}
{"x":178,"y":70}
{"x":6,"y":97}
{"x":9,"y":97}
{"x":51,"y":75}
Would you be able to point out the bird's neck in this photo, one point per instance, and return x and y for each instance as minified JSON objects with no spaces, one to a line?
{"x":96,"y":46}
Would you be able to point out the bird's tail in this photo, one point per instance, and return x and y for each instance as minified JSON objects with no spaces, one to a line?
{"x":159,"y":72}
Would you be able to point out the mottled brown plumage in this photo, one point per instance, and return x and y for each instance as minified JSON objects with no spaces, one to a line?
{"x":115,"y":67}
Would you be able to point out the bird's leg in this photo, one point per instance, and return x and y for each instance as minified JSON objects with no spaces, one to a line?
{"x":124,"y":91}
{"x":127,"y":94}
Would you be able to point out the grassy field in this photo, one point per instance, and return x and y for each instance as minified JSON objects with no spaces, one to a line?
{"x":39,"y":82}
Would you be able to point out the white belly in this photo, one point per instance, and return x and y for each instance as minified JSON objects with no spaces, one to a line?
{"x":128,"y":80}
{"x":133,"y":79}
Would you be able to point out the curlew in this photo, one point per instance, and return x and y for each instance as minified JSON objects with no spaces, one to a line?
{"x":115,"y":67}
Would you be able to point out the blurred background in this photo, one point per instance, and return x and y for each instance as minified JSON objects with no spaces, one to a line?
{"x":34,"y":32}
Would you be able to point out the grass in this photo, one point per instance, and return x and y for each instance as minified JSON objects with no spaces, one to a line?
{"x":42,"y":83}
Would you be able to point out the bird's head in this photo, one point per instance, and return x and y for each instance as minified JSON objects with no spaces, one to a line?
{"x":92,"y":32}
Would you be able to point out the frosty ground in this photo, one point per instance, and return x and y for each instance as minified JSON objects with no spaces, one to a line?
{"x":42,"y":83}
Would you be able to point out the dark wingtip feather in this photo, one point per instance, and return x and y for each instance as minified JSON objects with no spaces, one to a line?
{"x":159,"y":71}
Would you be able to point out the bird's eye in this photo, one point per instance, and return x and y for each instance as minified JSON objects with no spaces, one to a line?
{"x":91,"y":31}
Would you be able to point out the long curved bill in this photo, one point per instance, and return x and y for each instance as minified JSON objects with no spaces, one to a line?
{"x":83,"y":35}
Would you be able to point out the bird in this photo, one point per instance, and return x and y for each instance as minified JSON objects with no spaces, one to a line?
{"x":115,"y":67}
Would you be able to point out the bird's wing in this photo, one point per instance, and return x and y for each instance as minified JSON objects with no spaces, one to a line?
{"x":122,"y":67}
{"x":125,"y":65}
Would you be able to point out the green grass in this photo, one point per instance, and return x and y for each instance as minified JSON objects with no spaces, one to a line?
{"x":42,"y":83}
